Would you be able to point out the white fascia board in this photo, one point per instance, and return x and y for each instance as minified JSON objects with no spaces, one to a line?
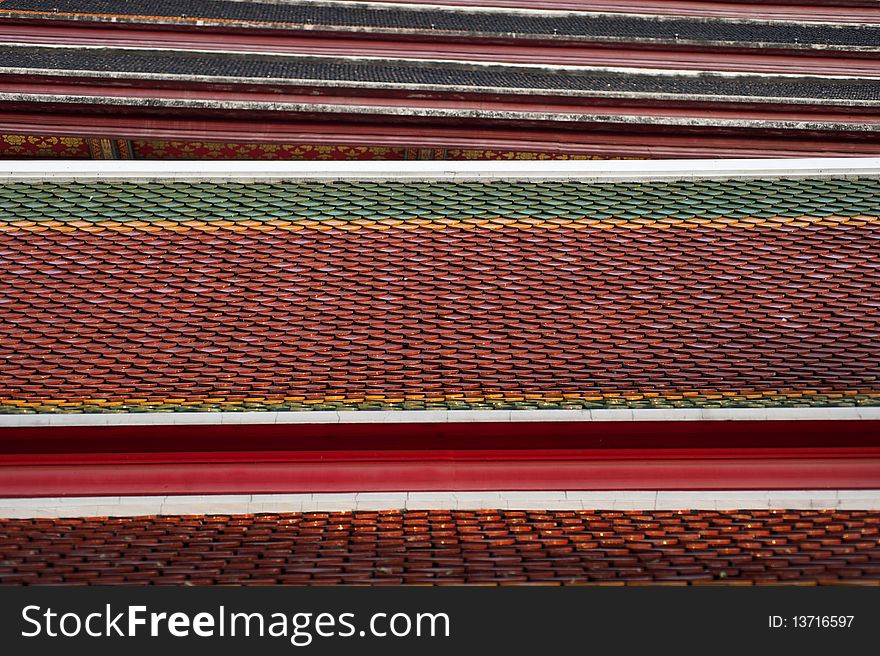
{"x":438,"y":416}
{"x":581,"y":170}
{"x":646,"y":500}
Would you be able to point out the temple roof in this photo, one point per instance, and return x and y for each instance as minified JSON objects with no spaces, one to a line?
{"x":452,"y":76}
{"x":683,"y":81}
{"x":404,"y":294}
{"x":748,"y":547}
{"x":480,"y":22}
{"x":222,"y":354}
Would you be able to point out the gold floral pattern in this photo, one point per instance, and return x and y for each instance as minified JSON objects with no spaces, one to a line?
{"x":16,"y":145}
{"x":467,"y":154}
{"x":215,"y":150}
{"x":20,"y":145}
{"x":160,"y":150}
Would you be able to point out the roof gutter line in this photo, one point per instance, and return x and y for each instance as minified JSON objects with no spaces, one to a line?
{"x":582,"y":170}
{"x":439,"y":416}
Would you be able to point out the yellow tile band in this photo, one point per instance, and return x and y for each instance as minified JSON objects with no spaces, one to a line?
{"x":700,"y":398}
{"x":495,"y":223}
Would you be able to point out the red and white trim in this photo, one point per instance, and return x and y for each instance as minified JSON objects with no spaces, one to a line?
{"x":795,"y":450}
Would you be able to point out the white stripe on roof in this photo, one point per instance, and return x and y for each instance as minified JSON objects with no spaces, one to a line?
{"x":133,"y":506}
{"x":583,"y":170}
{"x":437,"y":416}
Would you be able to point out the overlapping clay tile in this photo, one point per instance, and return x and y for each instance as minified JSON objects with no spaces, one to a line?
{"x":123,"y":297}
{"x":449,"y":547}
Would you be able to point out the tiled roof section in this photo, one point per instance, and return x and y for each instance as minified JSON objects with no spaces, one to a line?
{"x":322,"y":71}
{"x":449,"y":547}
{"x":171,"y":296}
{"x":427,"y":22}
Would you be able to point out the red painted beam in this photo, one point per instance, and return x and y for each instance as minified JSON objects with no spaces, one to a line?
{"x":124,"y":458}
{"x":433,"y":437}
{"x":635,"y":144}
{"x":74,"y":461}
{"x":584,"y":139}
{"x":428,"y":475}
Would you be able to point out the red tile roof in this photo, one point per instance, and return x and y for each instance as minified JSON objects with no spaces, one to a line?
{"x":448,"y":547}
{"x":349,"y":295}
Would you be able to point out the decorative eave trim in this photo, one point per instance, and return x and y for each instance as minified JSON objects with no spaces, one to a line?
{"x":439,"y":416}
{"x":581,"y":170}
{"x":647,"y":500}
{"x":842,"y":123}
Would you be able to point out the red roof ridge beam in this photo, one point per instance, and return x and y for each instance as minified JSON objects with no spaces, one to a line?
{"x":634,"y":470}
{"x":523,"y":38}
{"x":513,"y":431}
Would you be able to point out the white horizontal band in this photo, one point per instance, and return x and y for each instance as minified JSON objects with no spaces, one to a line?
{"x":582,"y":170}
{"x":133,"y":506}
{"x":437,"y":416}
